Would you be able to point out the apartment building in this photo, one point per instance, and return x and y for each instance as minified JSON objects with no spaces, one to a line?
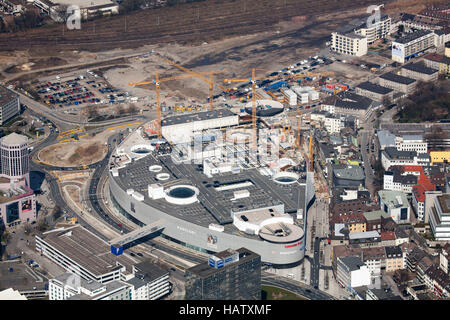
{"x":392,"y":157}
{"x":438,"y":61}
{"x":374,"y":91}
{"x":397,"y":82}
{"x":412,"y":44}
{"x":394,"y":258}
{"x":349,"y":43}
{"x":352,"y":272}
{"x":419,"y":71}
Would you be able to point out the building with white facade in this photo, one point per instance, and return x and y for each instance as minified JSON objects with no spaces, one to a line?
{"x":150,"y":281}
{"x":412,"y":44}
{"x":411,"y":143}
{"x":392,"y":157}
{"x":395,"y":203}
{"x":440,"y":218}
{"x":349,"y":43}
{"x":290,"y":95}
{"x":352,"y":272}
{"x":70,"y":286}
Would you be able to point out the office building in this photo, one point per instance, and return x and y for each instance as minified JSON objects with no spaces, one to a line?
{"x":392,"y":157}
{"x":9,"y":104}
{"x":228,"y":275}
{"x":150,"y":282}
{"x":17,"y":199}
{"x":395,"y":204}
{"x":412,"y":44}
{"x":79,"y":251}
{"x":69,"y":286}
{"x":440,"y":218}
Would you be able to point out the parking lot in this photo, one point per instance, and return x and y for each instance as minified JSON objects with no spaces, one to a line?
{"x":73,"y":92}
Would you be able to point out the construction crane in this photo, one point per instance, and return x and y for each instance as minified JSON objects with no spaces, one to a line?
{"x":253,"y":80}
{"x":299,"y":119}
{"x":157,"y":83}
{"x":200,"y":75}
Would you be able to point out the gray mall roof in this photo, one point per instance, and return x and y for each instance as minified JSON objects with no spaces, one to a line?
{"x":373,"y":87}
{"x":397,"y":78}
{"x":413,"y":36}
{"x":191,"y":117}
{"x":213,"y":206}
{"x":420,"y":68}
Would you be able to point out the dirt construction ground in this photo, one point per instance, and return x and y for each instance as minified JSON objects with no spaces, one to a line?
{"x":73,"y":154}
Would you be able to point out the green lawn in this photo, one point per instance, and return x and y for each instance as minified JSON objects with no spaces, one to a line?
{"x":275,"y":293}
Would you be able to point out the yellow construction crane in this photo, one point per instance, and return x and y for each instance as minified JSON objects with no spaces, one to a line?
{"x":157,"y":83}
{"x":200,"y":75}
{"x":253,"y":80}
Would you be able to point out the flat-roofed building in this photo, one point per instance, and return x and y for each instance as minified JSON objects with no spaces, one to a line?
{"x":349,"y":43}
{"x":438,"y":61}
{"x":374,"y":91}
{"x":352,"y":272}
{"x":228,"y":275}
{"x":397,"y":82}
{"x":150,"y":282}
{"x":395,"y":203}
{"x":81,"y":252}
{"x":440,"y":218}
{"x":70,"y":287}
{"x":412,"y":44}
{"x":9,"y":104}
{"x":419,"y":71}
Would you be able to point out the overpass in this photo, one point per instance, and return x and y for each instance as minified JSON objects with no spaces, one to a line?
{"x":122,"y":240}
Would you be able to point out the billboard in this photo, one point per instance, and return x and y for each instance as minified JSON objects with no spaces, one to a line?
{"x":26,"y":205}
{"x":398,"y":50}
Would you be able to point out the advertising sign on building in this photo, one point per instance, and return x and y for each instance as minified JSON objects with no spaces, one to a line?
{"x":26,"y":205}
{"x":398,"y":49}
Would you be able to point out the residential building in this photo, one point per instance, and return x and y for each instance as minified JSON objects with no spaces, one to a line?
{"x":150,"y":282}
{"x":397,"y":82}
{"x":412,"y":44}
{"x":395,"y":181}
{"x":374,"y":258}
{"x":348,"y":42}
{"x":352,"y":272}
{"x":333,"y":124}
{"x":420,"y":72}
{"x":9,"y":104}
{"x":440,"y":218}
{"x":373,"y":220}
{"x":395,"y":204}
{"x":354,"y":222}
{"x":413,"y":257}
{"x":438,"y":282}
{"x":340,"y":251}
{"x":70,"y":286}
{"x":439,"y":157}
{"x":438,"y":61}
{"x":419,"y":198}
{"x":374,"y":91}
{"x":417,"y":289}
{"x":79,"y":251}
{"x":228,"y":275}
{"x":444,"y":258}
{"x":394,"y":258}
{"x":352,"y":104}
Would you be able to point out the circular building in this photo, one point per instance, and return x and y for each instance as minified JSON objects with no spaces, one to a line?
{"x":14,"y":156}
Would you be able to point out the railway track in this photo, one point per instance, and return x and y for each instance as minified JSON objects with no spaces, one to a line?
{"x":189,"y":22}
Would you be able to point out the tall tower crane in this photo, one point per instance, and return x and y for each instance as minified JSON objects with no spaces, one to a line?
{"x":200,"y":75}
{"x":310,"y":153}
{"x":253,"y":80}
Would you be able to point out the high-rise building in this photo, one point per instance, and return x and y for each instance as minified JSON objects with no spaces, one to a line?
{"x":17,"y":199}
{"x":228,"y":275}
{"x":9,"y":104}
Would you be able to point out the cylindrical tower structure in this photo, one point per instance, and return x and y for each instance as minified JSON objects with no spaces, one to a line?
{"x":14,"y":157}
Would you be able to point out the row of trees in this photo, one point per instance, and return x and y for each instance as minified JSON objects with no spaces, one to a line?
{"x":430,"y":102}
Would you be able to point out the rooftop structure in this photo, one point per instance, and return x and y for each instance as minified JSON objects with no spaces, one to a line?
{"x":413,"y":36}
{"x":397,"y":78}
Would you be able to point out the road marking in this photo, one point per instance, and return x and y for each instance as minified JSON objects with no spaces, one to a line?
{"x":124,"y":125}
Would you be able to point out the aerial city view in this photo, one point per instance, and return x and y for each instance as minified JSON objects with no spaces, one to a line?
{"x":193,"y":150}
